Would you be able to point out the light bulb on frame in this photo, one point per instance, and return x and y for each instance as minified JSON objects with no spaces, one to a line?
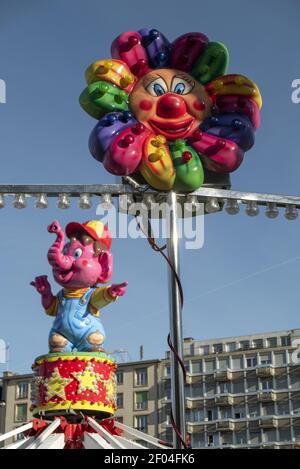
{"x":252,"y":209}
{"x":212,"y":205}
{"x":63,"y":202}
{"x":106,"y":201}
{"x":85,"y":202}
{"x":192,"y":203}
{"x":232,"y":207}
{"x":20,"y":201}
{"x":42,"y":201}
{"x":125,"y":201}
{"x":272,"y":210}
{"x":2,"y":201}
{"x":291,"y":212}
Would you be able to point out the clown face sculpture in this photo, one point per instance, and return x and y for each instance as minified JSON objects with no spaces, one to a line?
{"x":167,"y":111}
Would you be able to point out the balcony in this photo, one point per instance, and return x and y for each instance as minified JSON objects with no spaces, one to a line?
{"x":265,"y":371}
{"x":282,"y":422}
{"x":266,"y":396}
{"x":223,"y":375}
{"x":194,"y":403}
{"x":267,"y":422}
{"x":194,"y":378}
{"x":225,"y":425}
{"x":193,"y":427}
{"x":224,"y":399}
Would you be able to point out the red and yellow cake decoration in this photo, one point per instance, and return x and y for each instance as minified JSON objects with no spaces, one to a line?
{"x":77,"y":380}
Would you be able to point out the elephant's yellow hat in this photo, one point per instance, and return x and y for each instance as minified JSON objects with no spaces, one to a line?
{"x":94,"y":228}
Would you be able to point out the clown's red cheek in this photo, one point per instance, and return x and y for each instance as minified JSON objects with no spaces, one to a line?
{"x":145,"y":105}
{"x":199,"y":105}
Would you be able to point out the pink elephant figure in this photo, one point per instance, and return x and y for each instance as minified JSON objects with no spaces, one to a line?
{"x":79,"y":266}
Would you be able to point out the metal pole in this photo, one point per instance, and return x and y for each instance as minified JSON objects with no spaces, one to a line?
{"x":177,"y":378}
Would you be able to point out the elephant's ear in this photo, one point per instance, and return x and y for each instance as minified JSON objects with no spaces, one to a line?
{"x":106,"y":262}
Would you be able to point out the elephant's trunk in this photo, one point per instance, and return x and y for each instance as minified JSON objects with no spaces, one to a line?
{"x":56,"y":258}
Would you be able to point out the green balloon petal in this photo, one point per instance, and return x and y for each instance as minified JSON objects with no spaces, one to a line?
{"x":101,"y":97}
{"x":188,"y":167}
{"x":212,"y":63}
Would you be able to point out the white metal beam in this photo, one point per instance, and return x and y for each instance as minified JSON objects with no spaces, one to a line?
{"x":44,"y":435}
{"x":95,"y":441}
{"x":16,"y":431}
{"x":105,"y":434}
{"x":54,"y":441}
{"x":129,"y":444}
{"x":140,"y":435}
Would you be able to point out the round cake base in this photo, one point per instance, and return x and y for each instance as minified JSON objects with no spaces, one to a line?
{"x":74,"y":383}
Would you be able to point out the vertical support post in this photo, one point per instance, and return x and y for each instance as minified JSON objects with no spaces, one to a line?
{"x":177,"y":377}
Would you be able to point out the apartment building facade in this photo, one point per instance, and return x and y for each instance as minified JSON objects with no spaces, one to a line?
{"x":241,"y":392}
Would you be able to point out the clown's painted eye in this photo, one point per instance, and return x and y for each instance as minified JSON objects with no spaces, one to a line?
{"x":157,"y":87}
{"x":77,"y":253}
{"x":181,"y":86}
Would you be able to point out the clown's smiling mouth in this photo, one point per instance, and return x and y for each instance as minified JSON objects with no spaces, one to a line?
{"x":172,"y":129}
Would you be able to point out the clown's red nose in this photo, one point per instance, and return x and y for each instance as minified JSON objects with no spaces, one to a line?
{"x":171,"y":105}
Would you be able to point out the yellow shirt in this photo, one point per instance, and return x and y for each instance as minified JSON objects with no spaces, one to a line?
{"x":100,"y":298}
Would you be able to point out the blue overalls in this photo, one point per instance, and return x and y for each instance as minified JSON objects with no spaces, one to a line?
{"x":75,"y":322}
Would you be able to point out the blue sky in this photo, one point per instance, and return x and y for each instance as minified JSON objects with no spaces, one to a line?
{"x":245,"y":278}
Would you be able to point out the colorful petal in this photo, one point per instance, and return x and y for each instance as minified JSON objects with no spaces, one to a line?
{"x":128,"y":47}
{"x":156,"y":164}
{"x":157,"y":47}
{"x":231,"y":126}
{"x":240,"y":104}
{"x":236,"y":85}
{"x":188,"y":167}
{"x":219,"y":155}
{"x":125,"y":153}
{"x":113,"y":71}
{"x":102,"y":97}
{"x":212,"y":63}
{"x":186,"y":49}
{"x":106,"y":130}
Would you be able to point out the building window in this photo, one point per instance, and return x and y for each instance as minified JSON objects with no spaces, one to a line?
{"x":22,"y":390}
{"x":197,"y":367}
{"x":20,"y":412}
{"x":141,"y":377}
{"x":285,"y":341}
{"x":168,"y":370}
{"x":141,"y":400}
{"x":120,"y":400}
{"x":204,"y":350}
{"x":266,"y":359}
{"x":272,"y":342}
{"x":119,"y":375}
{"x":141,"y":423}
{"x":245,"y":344}
{"x":251,"y":362}
{"x":266,"y":384}
{"x":217,"y":348}
{"x":258,"y":343}
{"x":231,"y":346}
